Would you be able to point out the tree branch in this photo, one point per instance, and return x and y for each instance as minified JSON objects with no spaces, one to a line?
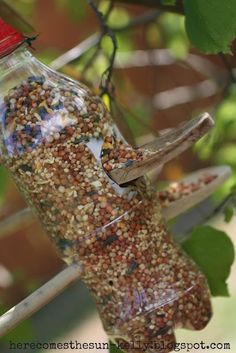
{"x":39,"y":298}
{"x":94,"y":40}
{"x":75,"y":52}
{"x":16,"y":222}
{"x":106,"y":85}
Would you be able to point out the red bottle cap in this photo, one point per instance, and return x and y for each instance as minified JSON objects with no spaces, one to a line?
{"x":10,"y":38}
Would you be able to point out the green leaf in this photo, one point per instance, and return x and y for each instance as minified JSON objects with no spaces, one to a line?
{"x":211,"y":24}
{"x":114,"y":348}
{"x":228,"y":213}
{"x":213,"y":252}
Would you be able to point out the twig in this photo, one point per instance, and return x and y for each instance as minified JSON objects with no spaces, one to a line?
{"x":106,"y":87}
{"x":39,"y":298}
{"x":98,"y":48}
{"x":76,"y":51}
{"x":92,"y":41}
{"x":16,"y":222}
{"x":148,"y":17}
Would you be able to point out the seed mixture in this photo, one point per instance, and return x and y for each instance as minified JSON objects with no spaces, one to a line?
{"x":116,"y":154}
{"x":143,"y":284}
{"x":179,"y":190}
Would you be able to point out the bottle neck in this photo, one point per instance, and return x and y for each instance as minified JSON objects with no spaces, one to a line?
{"x":16,"y":67}
{"x":15,"y":59}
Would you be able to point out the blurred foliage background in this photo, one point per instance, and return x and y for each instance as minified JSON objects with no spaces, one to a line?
{"x":160,"y":80}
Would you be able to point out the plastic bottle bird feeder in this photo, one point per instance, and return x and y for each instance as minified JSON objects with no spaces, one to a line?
{"x":86,"y":184}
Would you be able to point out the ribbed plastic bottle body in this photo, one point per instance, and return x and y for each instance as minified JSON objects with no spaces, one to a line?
{"x":52,"y":137}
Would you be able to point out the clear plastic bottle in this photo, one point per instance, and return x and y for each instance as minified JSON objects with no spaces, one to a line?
{"x":54,"y":137}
